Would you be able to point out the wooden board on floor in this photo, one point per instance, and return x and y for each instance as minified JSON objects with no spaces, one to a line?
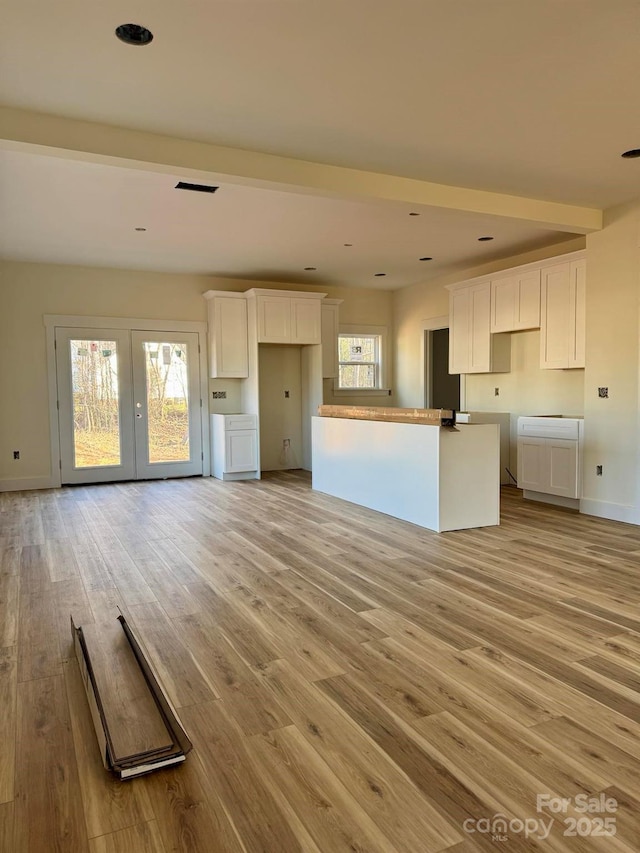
{"x":136,"y":726}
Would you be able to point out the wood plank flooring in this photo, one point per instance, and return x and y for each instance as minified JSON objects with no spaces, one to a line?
{"x":350,"y":682}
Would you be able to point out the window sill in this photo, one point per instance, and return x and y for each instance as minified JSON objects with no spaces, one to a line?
{"x":361,"y":392}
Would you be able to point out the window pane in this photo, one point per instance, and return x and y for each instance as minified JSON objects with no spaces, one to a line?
{"x":357,"y":376}
{"x":357,"y":348}
{"x":167,"y":402}
{"x":96,"y":408}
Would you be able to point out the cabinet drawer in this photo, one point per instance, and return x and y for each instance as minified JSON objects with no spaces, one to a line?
{"x":549,"y":427}
{"x":232,"y":422}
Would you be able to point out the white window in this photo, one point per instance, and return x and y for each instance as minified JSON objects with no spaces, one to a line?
{"x":361,"y":360}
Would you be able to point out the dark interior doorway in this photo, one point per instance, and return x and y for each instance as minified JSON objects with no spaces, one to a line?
{"x":444,"y":386}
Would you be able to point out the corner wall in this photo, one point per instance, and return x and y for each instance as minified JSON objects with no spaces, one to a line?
{"x":613,"y":328}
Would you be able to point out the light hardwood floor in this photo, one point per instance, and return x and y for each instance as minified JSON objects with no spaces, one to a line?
{"x":350,"y":682}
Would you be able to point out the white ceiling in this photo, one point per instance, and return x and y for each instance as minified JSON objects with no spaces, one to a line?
{"x":534,"y":99}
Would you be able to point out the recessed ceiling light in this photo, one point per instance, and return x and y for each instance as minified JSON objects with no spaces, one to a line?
{"x":140,"y":229}
{"x":309,"y":269}
{"x":484,"y":239}
{"x":414,"y":214}
{"x":426,"y":259}
{"x":134,"y":34}
{"x":631,"y":154}
{"x":380,"y":273}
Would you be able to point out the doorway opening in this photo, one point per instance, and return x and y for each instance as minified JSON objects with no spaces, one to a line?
{"x":442,"y":389}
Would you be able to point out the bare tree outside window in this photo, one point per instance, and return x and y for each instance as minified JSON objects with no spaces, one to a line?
{"x":359,"y":361}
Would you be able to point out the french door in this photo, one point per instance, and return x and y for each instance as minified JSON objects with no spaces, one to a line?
{"x":128,"y":404}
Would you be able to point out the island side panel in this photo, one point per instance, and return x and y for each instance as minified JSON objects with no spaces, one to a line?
{"x":389,"y":467}
{"x":470,"y":476}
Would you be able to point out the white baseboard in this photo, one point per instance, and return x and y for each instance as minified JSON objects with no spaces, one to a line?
{"x":25,"y":484}
{"x":614,"y":512}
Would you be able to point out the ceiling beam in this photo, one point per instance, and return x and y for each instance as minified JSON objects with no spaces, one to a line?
{"x":92,"y":142}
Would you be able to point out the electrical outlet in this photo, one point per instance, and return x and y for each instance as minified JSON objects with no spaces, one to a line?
{"x":286,"y":442}
{"x":16,"y":454}
{"x":496,"y":392}
{"x":219,"y":395}
{"x":286,"y":394}
{"x":603,"y":391}
{"x":598,"y":470}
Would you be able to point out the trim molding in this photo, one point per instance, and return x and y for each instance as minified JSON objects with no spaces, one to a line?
{"x":556,"y":500}
{"x":605,"y":509}
{"x":27,"y":484}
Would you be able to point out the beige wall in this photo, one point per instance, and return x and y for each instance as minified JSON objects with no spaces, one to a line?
{"x":28,"y":291}
{"x":611,"y":425}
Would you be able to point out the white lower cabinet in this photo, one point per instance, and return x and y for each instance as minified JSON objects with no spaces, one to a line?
{"x":234,"y":447}
{"x":547,"y":462}
{"x":548,"y":465}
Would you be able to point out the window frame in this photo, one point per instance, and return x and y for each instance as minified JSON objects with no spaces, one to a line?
{"x":357,"y":330}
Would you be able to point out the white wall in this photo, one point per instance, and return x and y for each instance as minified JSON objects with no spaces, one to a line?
{"x":28,"y":291}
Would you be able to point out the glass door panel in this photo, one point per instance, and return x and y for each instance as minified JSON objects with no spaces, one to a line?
{"x":95,"y":405}
{"x":167,"y":404}
{"x":167,"y":401}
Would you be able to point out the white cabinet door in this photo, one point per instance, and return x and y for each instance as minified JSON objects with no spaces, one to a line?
{"x":503,"y":304}
{"x":577,"y":319}
{"x":241,"y":451}
{"x":305,"y":321}
{"x":515,"y":302}
{"x":459,"y":330}
{"x":532,"y":464}
{"x":527,"y":306}
{"x":329,"y":322}
{"x":562,"y":467}
{"x":548,"y":465}
{"x":480,"y":322}
{"x":228,"y":337}
{"x":555,"y":316}
{"x":274,"y":320}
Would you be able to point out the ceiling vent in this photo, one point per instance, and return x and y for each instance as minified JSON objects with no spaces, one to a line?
{"x":195,"y":188}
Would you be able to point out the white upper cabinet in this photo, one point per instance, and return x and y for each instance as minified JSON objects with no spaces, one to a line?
{"x":577,"y":312}
{"x":472,"y":347}
{"x":549,"y":295}
{"x":228,"y":351}
{"x":306,"y":321}
{"x":274,"y":319}
{"x":515,"y":302}
{"x":562,"y":343}
{"x":288,"y":319}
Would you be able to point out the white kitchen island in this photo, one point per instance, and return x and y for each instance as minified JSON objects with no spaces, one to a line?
{"x":437,"y":477}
